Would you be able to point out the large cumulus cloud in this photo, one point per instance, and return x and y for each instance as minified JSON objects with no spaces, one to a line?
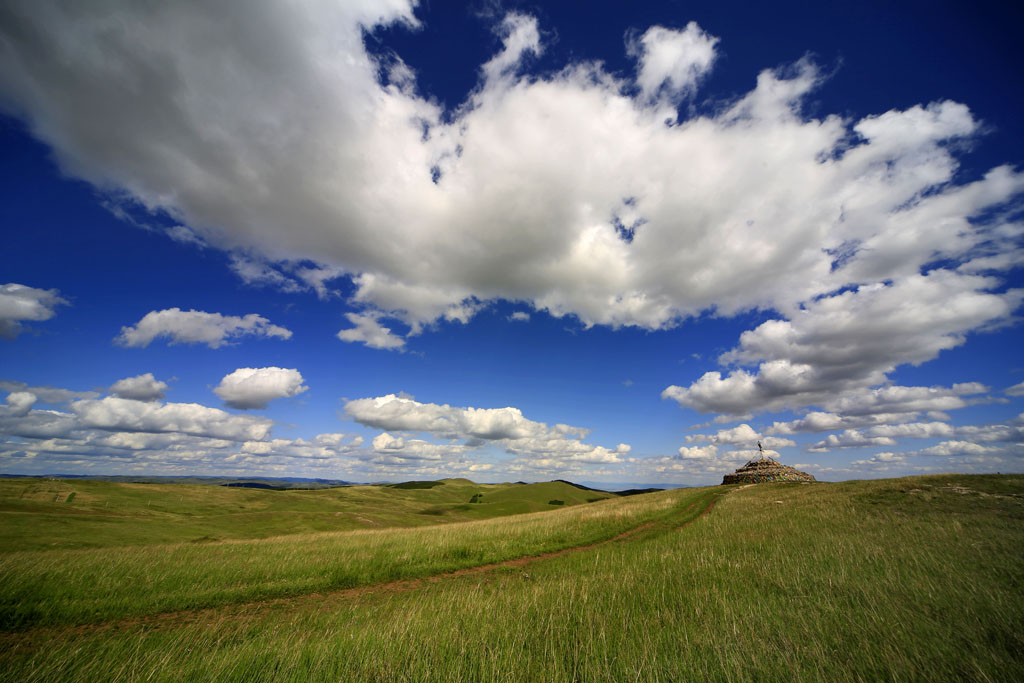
{"x":753,"y":205}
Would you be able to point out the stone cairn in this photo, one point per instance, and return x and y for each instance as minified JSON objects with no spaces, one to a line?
{"x":765,"y":469}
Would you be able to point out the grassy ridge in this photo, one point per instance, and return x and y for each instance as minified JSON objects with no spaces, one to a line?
{"x":910,"y":579}
{"x":49,"y":514}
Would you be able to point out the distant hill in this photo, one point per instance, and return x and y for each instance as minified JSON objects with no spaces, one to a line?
{"x":270,"y":482}
{"x":84,"y":512}
{"x":626,"y":492}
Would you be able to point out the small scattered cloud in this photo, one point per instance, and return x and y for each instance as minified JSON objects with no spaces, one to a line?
{"x":184,"y":235}
{"x":20,"y":303}
{"x":520,"y":36}
{"x":289,"y":277}
{"x":255,"y":272}
{"x":317,"y":277}
{"x":725,"y":419}
{"x":140,"y":388}
{"x":881,"y":460}
{"x":47,"y":394}
{"x":197,"y":327}
{"x":1015,"y":390}
{"x":672,"y":62}
{"x":368,"y":330}
{"x":254,"y":388}
{"x":519,"y":316}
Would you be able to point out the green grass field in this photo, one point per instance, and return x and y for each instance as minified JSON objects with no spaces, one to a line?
{"x":49,"y":514}
{"x":906,"y":579}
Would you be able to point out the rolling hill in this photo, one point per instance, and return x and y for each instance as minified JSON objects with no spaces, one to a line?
{"x":904,"y":579}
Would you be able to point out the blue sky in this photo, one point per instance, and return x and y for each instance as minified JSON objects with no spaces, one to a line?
{"x":510,"y":241}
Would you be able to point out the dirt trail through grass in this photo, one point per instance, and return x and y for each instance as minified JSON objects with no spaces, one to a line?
{"x":321,"y":600}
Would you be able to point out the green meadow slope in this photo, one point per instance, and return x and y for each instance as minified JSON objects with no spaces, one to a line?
{"x":904,"y":579}
{"x":77,"y":513}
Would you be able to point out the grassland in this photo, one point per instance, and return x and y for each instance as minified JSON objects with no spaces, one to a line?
{"x":906,"y":579}
{"x":62,"y":514}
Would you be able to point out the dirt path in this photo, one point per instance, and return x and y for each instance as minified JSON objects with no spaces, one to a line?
{"x":40,"y":635}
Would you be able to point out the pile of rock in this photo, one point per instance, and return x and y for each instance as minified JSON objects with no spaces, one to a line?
{"x":765,"y":469}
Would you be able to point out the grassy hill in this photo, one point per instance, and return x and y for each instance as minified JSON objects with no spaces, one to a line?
{"x":76,"y":513}
{"x":907,"y":579}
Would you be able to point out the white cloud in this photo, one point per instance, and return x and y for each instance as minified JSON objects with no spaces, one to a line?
{"x":1015,"y":390}
{"x":742,"y":434}
{"x":899,"y":399}
{"x":694,"y":462}
{"x":128,"y":435}
{"x":397,"y":413}
{"x":913,"y":430}
{"x":507,"y":427}
{"x":287,"y":276}
{"x":253,"y":388}
{"x":116,"y":414}
{"x":725,"y":419}
{"x":563,"y":450}
{"x":182,"y":235}
{"x":698,"y":452}
{"x":520,"y":316}
{"x":992,"y":433}
{"x":19,"y":303}
{"x":850,"y":438}
{"x":140,"y":388}
{"x":197,"y":327}
{"x":369,"y":331}
{"x":672,"y":61}
{"x":125,"y":415}
{"x":316,"y":277}
{"x":969,"y":442}
{"x":414,"y":449}
{"x":18,"y":404}
{"x":603,"y":211}
{"x":255,"y":272}
{"x":47,"y":394}
{"x":956,"y":448}
{"x":845,"y":343}
{"x":881,"y":461}
{"x":823,"y":422}
{"x":815,"y":421}
{"x":755,"y":205}
{"x":320,"y":447}
{"x":34,"y":424}
{"x":99,"y":450}
{"x":520,"y":36}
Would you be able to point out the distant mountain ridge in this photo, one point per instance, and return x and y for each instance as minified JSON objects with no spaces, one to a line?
{"x":244,"y":482}
{"x":621,"y":489}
